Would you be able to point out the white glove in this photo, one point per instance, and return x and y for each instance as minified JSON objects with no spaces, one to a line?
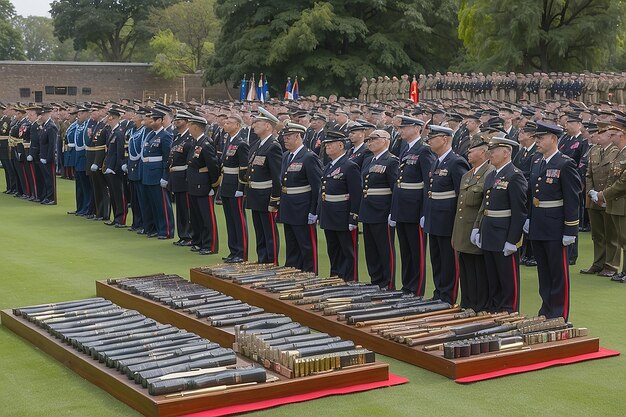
{"x":163,"y":183}
{"x":94,"y":167}
{"x":312,"y":218}
{"x":526,"y":226}
{"x":125,"y":168}
{"x":212,"y":192}
{"x":509,"y":249}
{"x":390,"y":222}
{"x":238,"y":194}
{"x":109,"y":171}
{"x":29,"y":158}
{"x":594,"y":195}
{"x":352,"y":227}
{"x":474,"y":236}
{"x":568,"y":240}
{"x":422,"y":219}
{"x":43,"y":161}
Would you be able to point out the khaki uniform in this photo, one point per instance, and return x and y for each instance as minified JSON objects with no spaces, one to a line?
{"x":615,"y":197}
{"x":371,"y":91}
{"x":605,"y":252}
{"x":363,"y":90}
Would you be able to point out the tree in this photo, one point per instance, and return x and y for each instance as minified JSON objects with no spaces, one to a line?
{"x":330,"y":45}
{"x":173,"y":58}
{"x":11,"y":45}
{"x":115,"y":27}
{"x":192,"y":22}
{"x":38,"y":34}
{"x":546,"y":35}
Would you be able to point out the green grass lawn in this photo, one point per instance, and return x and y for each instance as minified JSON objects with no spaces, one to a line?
{"x":48,"y":256}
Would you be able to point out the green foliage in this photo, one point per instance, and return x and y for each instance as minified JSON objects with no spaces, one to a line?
{"x":11,"y":44}
{"x":115,"y":27}
{"x":173,"y":58}
{"x":331,"y":45}
{"x":40,"y":44}
{"x":559,"y":35}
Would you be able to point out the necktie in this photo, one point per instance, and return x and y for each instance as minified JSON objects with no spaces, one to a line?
{"x":601,"y":153}
{"x":436,"y":165}
{"x":542,"y":165}
{"x":291,"y":156}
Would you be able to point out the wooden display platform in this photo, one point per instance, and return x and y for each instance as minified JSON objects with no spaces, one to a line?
{"x":433,"y":361}
{"x":135,"y":396}
{"x":224,"y":336}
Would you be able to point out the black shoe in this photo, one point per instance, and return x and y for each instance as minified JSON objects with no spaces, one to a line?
{"x":72,"y":212}
{"x":185,"y":243}
{"x":164,"y":237}
{"x":591,"y":270}
{"x":90,"y":216}
{"x":572,"y":261}
{"x":120,"y":226}
{"x":206,"y":252}
{"x":141,"y":232}
{"x":195,"y":248}
{"x":151,"y":235}
{"x":178,"y":242}
{"x":109,"y":223}
{"x":97,"y":219}
{"x":49,"y":203}
{"x":234,"y":260}
{"x":618,"y":277}
{"x":531,"y":262}
{"x":227,"y":258}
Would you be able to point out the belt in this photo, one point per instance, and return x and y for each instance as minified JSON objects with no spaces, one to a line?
{"x":26,"y":145}
{"x":179,"y":168}
{"x":377,"y":191}
{"x":547,"y":204}
{"x":4,"y":138}
{"x":498,"y":213}
{"x":233,"y":171}
{"x":411,"y":185}
{"x":297,"y":190}
{"x":261,"y":185}
{"x":71,"y":145}
{"x":96,"y":148}
{"x":203,"y":169}
{"x":335,"y":198}
{"x":134,"y":158}
{"x":444,"y":195}
{"x":152,"y":159}
{"x":80,"y":148}
{"x":16,"y":140}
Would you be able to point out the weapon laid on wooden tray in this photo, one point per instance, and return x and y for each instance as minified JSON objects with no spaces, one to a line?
{"x":226,"y":377}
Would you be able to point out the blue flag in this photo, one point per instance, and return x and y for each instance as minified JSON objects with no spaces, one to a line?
{"x":242,"y":89}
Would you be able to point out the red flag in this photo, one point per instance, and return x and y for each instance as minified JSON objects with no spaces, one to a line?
{"x":414,"y":95}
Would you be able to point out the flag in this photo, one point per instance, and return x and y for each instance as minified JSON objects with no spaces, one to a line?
{"x":266,"y":94}
{"x":259,"y":90}
{"x":252,"y":91}
{"x":295,"y":92}
{"x":242,"y":89}
{"x":414,"y":92}
{"x":288,"y":95}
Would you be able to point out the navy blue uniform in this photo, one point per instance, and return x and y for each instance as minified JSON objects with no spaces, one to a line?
{"x":524,"y":160}
{"x":234,"y":166}
{"x":407,"y":208}
{"x":263,"y":190}
{"x":83,"y":186}
{"x":359,"y":156}
{"x":95,"y":147}
{"x":143,"y":222}
{"x":35,"y":166}
{"x":340,"y":198}
{"x":379,"y":179}
{"x":500,"y":220}
{"x":156,"y":150}
{"x":300,"y":182}
{"x":439,"y":211}
{"x":555,"y":190}
{"x":177,"y":167}
{"x":48,"y":138}
{"x":113,"y":161}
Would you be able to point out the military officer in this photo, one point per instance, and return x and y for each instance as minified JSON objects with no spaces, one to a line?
{"x":606,"y":256}
{"x":379,"y":175}
{"x":498,"y":227}
{"x":407,"y":205}
{"x":9,"y":172}
{"x":301,"y":171}
{"x":263,"y":186}
{"x":83,"y":186}
{"x":48,"y":138}
{"x":203,"y":178}
{"x":338,"y":208}
{"x":95,"y":145}
{"x":177,"y":167}
{"x":112,"y":167}
{"x":234,"y":167}
{"x":438,"y":217}
{"x":472,"y":270}
{"x":552,"y":223}
{"x":359,"y":151}
{"x":155,"y":176}
{"x":132,"y":167}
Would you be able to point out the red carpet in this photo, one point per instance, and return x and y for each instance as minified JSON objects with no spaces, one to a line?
{"x":261,"y":405}
{"x":602,"y":353}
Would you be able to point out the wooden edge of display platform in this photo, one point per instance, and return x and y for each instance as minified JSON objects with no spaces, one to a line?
{"x":120,"y":387}
{"x":431,"y":360}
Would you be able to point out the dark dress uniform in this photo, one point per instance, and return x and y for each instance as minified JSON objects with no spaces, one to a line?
{"x":9,"y":171}
{"x":500,"y":220}
{"x":262,"y":190}
{"x":300,"y":178}
{"x":95,"y":147}
{"x":83,"y":186}
{"x":48,"y":138}
{"x":142,"y":217}
{"x":33,"y":171}
{"x":523,"y":160}
{"x":203,"y":176}
{"x":177,"y":167}
{"x":156,"y":150}
{"x":18,"y":154}
{"x":472,"y":275}
{"x":358,"y":156}
{"x":115,"y":181}
{"x":338,"y":208}
{"x":379,"y":175}
{"x":555,"y":189}
{"x":407,"y":207}
{"x":234,"y":166}
{"x":443,"y":188}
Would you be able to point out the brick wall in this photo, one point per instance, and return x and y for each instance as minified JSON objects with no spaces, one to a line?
{"x":97,"y":82}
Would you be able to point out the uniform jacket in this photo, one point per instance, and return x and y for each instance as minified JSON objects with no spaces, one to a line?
{"x":379,"y":174}
{"x":360,"y":155}
{"x":264,"y":164}
{"x":79,"y":139}
{"x":115,"y":149}
{"x":203,"y":172}
{"x":156,"y":145}
{"x":135,"y":149}
{"x":342,"y":179}
{"x":615,"y":200}
{"x":34,"y":132}
{"x":177,"y":162}
{"x":573,"y":146}
{"x":599,"y":170}
{"x":304,"y":170}
{"x":234,"y":157}
{"x":470,"y":198}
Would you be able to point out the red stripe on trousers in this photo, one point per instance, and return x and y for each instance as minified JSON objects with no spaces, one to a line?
{"x":213,"y":224}
{"x":167,"y":220}
{"x":565,"y":284}
{"x":244,"y":229}
{"x":420,"y":233}
{"x":515,"y":289}
{"x":272,"y":225}
{"x":314,"y":246}
{"x":32,"y":172}
{"x":355,"y":264}
{"x":392,"y":271}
